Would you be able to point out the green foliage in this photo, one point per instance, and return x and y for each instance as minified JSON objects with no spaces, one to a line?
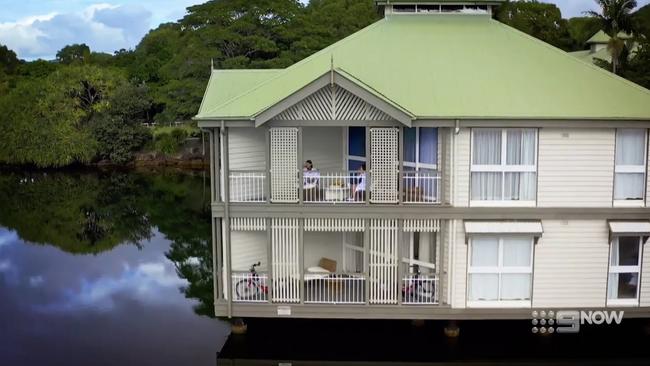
{"x":170,"y":142}
{"x":581,"y":29}
{"x":75,"y":53}
{"x":641,"y":20}
{"x":8,"y":60}
{"x":637,"y":69}
{"x":45,"y":122}
{"x":540,"y":20}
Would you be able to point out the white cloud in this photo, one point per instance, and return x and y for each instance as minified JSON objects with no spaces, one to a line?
{"x":104,"y":27}
{"x":7,"y":237}
{"x":5,"y":265}
{"x":148,"y":283}
{"x":36,"y":281}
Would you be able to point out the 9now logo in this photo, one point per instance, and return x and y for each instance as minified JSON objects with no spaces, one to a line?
{"x":570,"y":321}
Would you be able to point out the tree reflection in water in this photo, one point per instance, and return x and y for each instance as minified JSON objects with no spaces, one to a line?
{"x":90,"y":212}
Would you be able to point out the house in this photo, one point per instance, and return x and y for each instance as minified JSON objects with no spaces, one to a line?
{"x":438,"y":165}
{"x":598,"y":47}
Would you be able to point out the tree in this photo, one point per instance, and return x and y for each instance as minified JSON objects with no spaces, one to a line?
{"x":540,"y":20}
{"x":615,"y":17}
{"x":45,"y":122}
{"x":581,"y":29}
{"x":8,"y":60}
{"x":76,"y":53}
{"x":119,"y":131}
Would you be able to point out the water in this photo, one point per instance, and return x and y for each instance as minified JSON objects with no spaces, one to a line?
{"x":115,"y":268}
{"x":106,"y":268}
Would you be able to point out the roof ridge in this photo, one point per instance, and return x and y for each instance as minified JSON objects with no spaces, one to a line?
{"x":573,"y":58}
{"x":363,"y":84}
{"x":302,"y":62}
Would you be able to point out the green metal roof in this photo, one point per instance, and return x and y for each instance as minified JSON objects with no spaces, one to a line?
{"x":602,"y":37}
{"x":589,"y":56}
{"x":227,"y":84}
{"x":446,"y":67}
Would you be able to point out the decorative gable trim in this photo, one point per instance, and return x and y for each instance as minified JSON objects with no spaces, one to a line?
{"x":333,"y":97}
{"x":332,"y":103}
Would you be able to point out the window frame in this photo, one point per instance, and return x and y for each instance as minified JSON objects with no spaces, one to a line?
{"x":503,"y":168}
{"x":418,"y":165}
{"x":346,"y":154}
{"x":631,"y":169}
{"x":500,"y":270}
{"x":637,"y":269}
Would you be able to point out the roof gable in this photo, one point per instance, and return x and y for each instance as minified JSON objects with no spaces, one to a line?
{"x":455,"y":67}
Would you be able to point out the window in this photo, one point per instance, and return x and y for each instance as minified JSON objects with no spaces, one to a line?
{"x":420,"y":148}
{"x":500,"y":271}
{"x":356,"y":147}
{"x":629,"y":180}
{"x":504,"y":165}
{"x":624,"y":270}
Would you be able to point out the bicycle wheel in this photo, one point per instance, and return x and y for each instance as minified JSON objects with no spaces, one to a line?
{"x":245,"y":289}
{"x":426,"y":290}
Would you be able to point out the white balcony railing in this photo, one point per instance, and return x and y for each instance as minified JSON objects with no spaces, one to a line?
{"x":247,"y":186}
{"x":421,"y":187}
{"x":335,"y":289}
{"x":420,"y":289}
{"x":249,"y":287}
{"x":337,"y":187}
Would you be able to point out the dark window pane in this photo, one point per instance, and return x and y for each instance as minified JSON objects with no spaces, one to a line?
{"x":628,"y":249}
{"x":409,"y":145}
{"x":354,"y":165}
{"x":627,"y":285}
{"x":428,"y":145}
{"x":357,"y":141}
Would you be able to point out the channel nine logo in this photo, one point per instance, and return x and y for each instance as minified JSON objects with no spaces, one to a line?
{"x":569,"y":321}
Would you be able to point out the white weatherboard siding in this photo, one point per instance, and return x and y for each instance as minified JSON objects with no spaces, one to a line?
{"x":570,"y":268}
{"x":320,"y":245}
{"x":247,"y":148}
{"x":324,"y":147}
{"x":249,"y":247}
{"x":576,"y":167}
{"x":462,"y":161}
{"x":645,"y":276}
{"x":647,"y":177}
{"x":459,"y":277}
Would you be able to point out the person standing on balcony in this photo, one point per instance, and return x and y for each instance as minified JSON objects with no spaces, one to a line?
{"x":358,"y":190}
{"x":310,"y":180}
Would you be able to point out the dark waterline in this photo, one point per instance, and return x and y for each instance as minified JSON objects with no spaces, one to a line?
{"x":106,"y":268}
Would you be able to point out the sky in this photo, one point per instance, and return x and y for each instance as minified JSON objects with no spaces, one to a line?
{"x":39,"y":28}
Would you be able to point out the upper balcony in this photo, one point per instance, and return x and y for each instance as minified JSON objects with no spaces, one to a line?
{"x":339,"y":165}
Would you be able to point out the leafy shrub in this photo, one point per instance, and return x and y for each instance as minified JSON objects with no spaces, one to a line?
{"x":170,"y":142}
{"x":117,"y":141}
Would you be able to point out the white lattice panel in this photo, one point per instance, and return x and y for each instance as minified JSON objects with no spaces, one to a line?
{"x":383,"y":165}
{"x":383,"y":262}
{"x":335,"y":225}
{"x":422,"y":226}
{"x":247,"y":224}
{"x":285,"y":260}
{"x":332,"y":104}
{"x":284,"y":164}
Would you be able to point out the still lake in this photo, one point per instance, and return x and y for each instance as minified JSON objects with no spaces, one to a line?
{"x":106,"y":268}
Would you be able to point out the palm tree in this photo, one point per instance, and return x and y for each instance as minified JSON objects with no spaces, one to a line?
{"x":615,"y":17}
